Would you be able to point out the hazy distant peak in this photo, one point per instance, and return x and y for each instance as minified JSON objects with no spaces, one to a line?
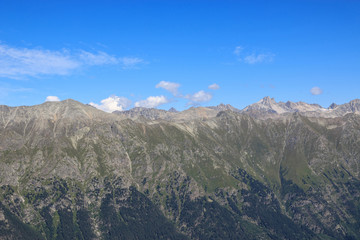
{"x":268,"y":107}
{"x":354,"y":105}
{"x":355,"y":101}
{"x":291,"y":105}
{"x":332,"y":106}
{"x":267,"y":101}
{"x":173,"y":110}
{"x":224,"y":107}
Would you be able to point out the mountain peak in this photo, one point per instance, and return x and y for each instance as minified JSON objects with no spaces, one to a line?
{"x":67,"y":106}
{"x":332,"y":106}
{"x":172,"y":109}
{"x":224,"y":107}
{"x":267,"y":100}
{"x":355,"y":101}
{"x":268,"y":107}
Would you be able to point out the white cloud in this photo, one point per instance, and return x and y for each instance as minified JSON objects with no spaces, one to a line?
{"x":258,"y":58}
{"x":169,"y":86}
{"x":113,"y":103}
{"x":18,"y":63}
{"x":316,"y":91}
{"x":100,"y":58}
{"x":244,"y":56}
{"x":199,"y":97}
{"x":129,"y":62}
{"x":52,"y":99}
{"x":214,"y":86}
{"x":238,"y":50}
{"x":152,"y":102}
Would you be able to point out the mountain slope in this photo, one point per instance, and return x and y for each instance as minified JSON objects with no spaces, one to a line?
{"x":72,"y":171}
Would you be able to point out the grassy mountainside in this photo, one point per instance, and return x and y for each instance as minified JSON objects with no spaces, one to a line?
{"x":69,"y":171}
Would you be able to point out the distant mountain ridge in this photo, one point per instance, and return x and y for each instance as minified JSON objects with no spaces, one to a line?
{"x":268,"y":107}
{"x":265,"y":108}
{"x":147,"y":113}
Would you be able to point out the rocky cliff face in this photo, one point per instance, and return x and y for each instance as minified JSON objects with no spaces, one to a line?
{"x":70,"y":171}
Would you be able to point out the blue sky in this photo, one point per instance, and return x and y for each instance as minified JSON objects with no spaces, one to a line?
{"x":121,"y":54}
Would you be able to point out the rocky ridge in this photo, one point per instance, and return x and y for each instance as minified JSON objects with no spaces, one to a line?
{"x":268,"y":107}
{"x":265,"y":108}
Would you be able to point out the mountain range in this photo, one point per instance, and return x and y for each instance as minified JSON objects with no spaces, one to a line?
{"x":272,"y":170}
{"x":265,"y":108}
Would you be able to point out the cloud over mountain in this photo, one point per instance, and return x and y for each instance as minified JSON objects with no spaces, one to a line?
{"x":113,"y":103}
{"x":198,"y":97}
{"x":152,"y":102}
{"x":52,"y":99}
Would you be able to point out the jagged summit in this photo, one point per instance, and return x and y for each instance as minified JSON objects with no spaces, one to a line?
{"x":224,"y":107}
{"x":268,"y":106}
{"x":267,"y":101}
{"x":173,"y":110}
{"x":332,"y":106}
{"x":354,"y":105}
{"x":350,"y":107}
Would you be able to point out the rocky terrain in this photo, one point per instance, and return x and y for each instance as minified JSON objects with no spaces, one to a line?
{"x":269,"y":171}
